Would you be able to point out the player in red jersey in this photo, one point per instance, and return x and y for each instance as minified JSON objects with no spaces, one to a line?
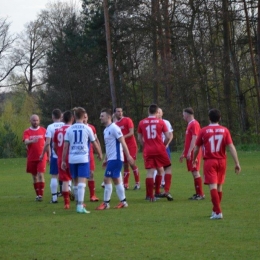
{"x":58,"y":143}
{"x":34,"y":139}
{"x":192,"y":132}
{"x":127,"y":127}
{"x":155,"y":156}
{"x":91,"y":181}
{"x":214,"y":139}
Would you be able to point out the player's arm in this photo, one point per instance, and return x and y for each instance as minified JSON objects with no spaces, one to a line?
{"x":98,"y":143}
{"x":126,"y":151}
{"x":140,"y":139}
{"x":97,"y":148}
{"x":195,"y":154}
{"x":64,"y":155}
{"x":46,"y":147}
{"x":233,"y":152}
{"x":30,"y":141}
{"x":192,"y":145}
{"x":168,"y":138}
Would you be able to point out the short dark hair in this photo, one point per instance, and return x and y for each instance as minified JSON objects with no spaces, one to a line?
{"x":56,"y":113}
{"x":107,"y":110}
{"x":214,"y":115}
{"x":189,"y":110}
{"x":153,"y":108}
{"x":117,"y":108}
{"x":67,"y":116}
{"x":79,"y":112}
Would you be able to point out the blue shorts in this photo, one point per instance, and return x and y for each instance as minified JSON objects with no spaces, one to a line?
{"x":54,"y":166}
{"x":168,"y":152}
{"x":113,"y":169}
{"x":81,"y":170}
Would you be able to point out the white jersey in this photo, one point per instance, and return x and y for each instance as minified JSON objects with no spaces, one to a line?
{"x":169,"y":126}
{"x":50,"y":134}
{"x":114,"y":150}
{"x":79,"y":137}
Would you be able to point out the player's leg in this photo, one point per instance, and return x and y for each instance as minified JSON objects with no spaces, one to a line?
{"x":91,"y":186}
{"x":41,"y":167}
{"x":149,"y":182}
{"x":31,"y":167}
{"x":197,"y":185}
{"x":158,"y":181}
{"x":126,"y":174}
{"x":107,"y":192}
{"x":133,"y":153}
{"x":54,"y":179}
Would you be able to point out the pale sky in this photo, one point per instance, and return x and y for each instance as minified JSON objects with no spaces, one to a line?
{"x":20,"y":12}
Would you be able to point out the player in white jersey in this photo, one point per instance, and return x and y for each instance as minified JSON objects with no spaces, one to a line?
{"x":115,"y":146}
{"x":56,"y":117}
{"x":77,"y":141}
{"x":157,"y":178}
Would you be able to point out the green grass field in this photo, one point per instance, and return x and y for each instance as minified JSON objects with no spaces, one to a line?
{"x":162,"y":230}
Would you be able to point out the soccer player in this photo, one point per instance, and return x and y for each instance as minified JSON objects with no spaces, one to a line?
{"x":58,"y":143}
{"x":91,"y":181}
{"x":192,"y":132}
{"x":115,"y":146}
{"x":56,"y":117}
{"x":214,"y":138}
{"x":160,"y":178}
{"x":155,"y":156}
{"x":34,"y":139}
{"x":127,"y":127}
{"x":77,"y":140}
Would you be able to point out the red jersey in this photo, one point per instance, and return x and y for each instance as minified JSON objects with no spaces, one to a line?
{"x":193,"y":128}
{"x":34,"y":150}
{"x":58,"y":139}
{"x":214,"y":139}
{"x":125,"y":123}
{"x":91,"y":150}
{"x":151,"y":129}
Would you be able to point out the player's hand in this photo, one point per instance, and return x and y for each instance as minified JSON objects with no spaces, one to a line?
{"x":131,"y":160}
{"x":194,"y":163}
{"x":104,"y":164}
{"x":63,"y":166}
{"x":100,"y":156}
{"x":237,"y":169}
{"x":188,"y":157}
{"x":41,"y":157}
{"x":181,"y":158}
{"x":34,"y":140}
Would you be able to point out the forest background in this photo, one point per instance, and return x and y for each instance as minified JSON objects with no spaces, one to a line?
{"x":131,"y":53}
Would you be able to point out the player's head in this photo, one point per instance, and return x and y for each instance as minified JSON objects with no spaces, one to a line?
{"x":68,"y":117}
{"x":118,"y":112}
{"x":35,"y":121}
{"x":153,"y":108}
{"x":106,"y":116}
{"x":159,"y":113}
{"x":188,"y":113}
{"x":85,"y":121}
{"x":79,"y":113}
{"x":56,"y":114}
{"x":214,"y":115}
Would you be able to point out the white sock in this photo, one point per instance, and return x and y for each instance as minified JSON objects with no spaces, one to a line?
{"x":81,"y":192}
{"x":69,"y":185}
{"x":54,"y":187}
{"x":75,"y":189}
{"x":154,"y":175}
{"x":120,"y":191}
{"x":121,"y":179}
{"x":163,"y":181}
{"x":107,"y":192}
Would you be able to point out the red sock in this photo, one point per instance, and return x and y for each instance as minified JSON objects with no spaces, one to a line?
{"x":41,"y":188}
{"x":36,"y":188}
{"x":66,"y":198}
{"x":136,"y":174}
{"x":158,"y":180}
{"x":91,"y":186}
{"x":149,"y":187}
{"x":220,"y":193}
{"x":126,"y":178}
{"x":168,"y":181}
{"x":198,"y":186}
{"x":215,"y":201}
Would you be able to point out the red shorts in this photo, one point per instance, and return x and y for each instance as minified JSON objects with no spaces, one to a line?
{"x":190,"y":167}
{"x":34,"y":167}
{"x":157,"y":161}
{"x":133,"y":152}
{"x":64,"y":175}
{"x":214,"y":171}
{"x":92,"y":162}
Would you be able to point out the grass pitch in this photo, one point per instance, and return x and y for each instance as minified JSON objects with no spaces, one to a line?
{"x":180,"y":229}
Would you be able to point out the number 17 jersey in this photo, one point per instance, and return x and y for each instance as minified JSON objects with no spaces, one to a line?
{"x":151,"y":129}
{"x":214,"y":138}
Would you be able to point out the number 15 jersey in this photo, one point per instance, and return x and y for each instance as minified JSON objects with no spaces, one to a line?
{"x":151,"y":129}
{"x":214,"y":138}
